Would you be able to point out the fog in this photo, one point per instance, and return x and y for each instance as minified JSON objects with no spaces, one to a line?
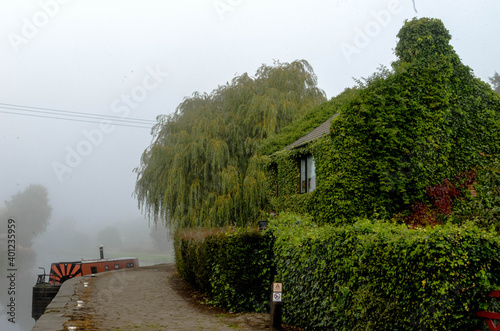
{"x":130,"y":60}
{"x":36,"y":244}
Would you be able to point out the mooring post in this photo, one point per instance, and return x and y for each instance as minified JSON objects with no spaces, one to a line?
{"x":276,"y":307}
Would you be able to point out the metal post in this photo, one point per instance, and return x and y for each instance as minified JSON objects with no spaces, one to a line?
{"x":276,"y":307}
{"x":276,"y":316}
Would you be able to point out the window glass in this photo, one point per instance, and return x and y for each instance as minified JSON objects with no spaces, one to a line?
{"x":307,"y":174}
{"x":311,"y":174}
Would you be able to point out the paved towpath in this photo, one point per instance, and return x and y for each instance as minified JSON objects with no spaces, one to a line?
{"x":147,"y":298}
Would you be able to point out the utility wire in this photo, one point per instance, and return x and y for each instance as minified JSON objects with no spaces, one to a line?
{"x":74,"y":120}
{"x":69,"y":113}
{"x":75,"y":116}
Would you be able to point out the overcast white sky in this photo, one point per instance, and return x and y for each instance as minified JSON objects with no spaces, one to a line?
{"x":87,"y":56}
{"x":139,"y":59}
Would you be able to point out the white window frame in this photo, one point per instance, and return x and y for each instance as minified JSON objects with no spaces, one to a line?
{"x":307,"y":174}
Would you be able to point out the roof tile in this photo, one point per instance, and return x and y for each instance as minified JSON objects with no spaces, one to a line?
{"x":313,"y":135}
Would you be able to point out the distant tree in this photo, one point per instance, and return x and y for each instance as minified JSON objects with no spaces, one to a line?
{"x":31,"y":210}
{"x":160,"y":238}
{"x":200,"y":169}
{"x":66,"y":239}
{"x":495,"y":82}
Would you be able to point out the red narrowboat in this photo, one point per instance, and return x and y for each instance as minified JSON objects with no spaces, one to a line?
{"x":62,"y":271}
{"x":44,"y":292}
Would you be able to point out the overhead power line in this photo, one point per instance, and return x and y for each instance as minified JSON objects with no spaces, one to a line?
{"x":74,"y":120}
{"x":75,"y":116}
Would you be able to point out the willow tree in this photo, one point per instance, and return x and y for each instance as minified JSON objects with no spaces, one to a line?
{"x":201,"y":168}
{"x":495,"y":82}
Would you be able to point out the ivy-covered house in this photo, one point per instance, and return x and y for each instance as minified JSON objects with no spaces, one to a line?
{"x":292,"y":156}
{"x":406,"y":145}
{"x":415,"y":144}
{"x":292,"y":171}
{"x":307,"y":169}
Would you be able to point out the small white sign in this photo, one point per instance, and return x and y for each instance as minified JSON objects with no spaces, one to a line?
{"x":277,"y":297}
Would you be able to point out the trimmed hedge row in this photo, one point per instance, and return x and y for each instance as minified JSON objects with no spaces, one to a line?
{"x":233,"y":267}
{"x":381,"y":276}
{"x":366,"y":276}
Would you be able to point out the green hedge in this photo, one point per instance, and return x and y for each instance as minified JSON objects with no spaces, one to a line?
{"x":381,"y":276}
{"x":233,"y":267}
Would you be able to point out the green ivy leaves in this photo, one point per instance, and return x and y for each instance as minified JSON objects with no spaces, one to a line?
{"x":234,"y":268}
{"x":381,"y":276}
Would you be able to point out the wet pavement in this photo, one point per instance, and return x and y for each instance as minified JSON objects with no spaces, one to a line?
{"x":144,"y":298}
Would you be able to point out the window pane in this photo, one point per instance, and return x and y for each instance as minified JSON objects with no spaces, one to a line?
{"x":303,"y":187}
{"x":311,"y":174}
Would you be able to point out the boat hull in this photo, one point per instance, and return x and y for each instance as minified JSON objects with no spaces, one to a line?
{"x":42,"y":296}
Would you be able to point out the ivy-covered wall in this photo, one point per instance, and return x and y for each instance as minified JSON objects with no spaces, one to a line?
{"x":283,"y":165}
{"x":284,"y":181}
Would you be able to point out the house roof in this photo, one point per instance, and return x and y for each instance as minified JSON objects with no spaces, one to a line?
{"x":320,"y":131}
